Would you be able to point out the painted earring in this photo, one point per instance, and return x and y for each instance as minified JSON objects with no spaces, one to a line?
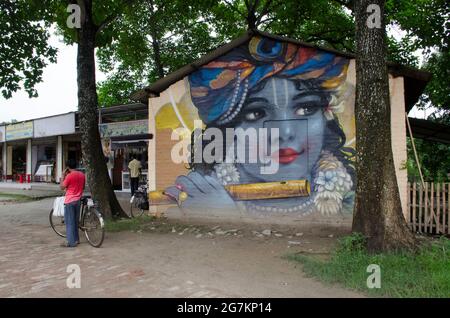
{"x":226,"y":173}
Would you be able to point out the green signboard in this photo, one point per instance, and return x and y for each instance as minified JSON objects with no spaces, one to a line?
{"x":128,"y":128}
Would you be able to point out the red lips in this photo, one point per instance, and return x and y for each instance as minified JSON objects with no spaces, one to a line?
{"x":287,"y":155}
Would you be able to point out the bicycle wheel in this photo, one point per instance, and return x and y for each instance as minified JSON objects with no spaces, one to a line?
{"x":57,"y":224}
{"x":93,"y":227}
{"x":136,"y":210}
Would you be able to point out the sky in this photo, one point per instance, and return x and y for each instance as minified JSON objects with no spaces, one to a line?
{"x":58,"y":90}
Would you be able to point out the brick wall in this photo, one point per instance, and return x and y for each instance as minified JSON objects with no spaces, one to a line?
{"x":167,"y":171}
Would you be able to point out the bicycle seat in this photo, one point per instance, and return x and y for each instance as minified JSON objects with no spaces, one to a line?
{"x":84,"y":198}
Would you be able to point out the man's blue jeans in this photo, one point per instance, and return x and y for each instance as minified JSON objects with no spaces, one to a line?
{"x":71,"y":217}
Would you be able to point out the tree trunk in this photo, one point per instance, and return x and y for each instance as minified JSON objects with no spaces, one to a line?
{"x":93,"y":157}
{"x":251,"y":14}
{"x":157,"y":55}
{"x":377,"y":212}
{"x":155,"y":42}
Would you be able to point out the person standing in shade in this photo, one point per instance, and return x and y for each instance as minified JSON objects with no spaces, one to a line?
{"x":73,"y":183}
{"x":135,"y":171}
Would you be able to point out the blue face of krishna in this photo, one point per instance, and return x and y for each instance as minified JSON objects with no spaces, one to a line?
{"x":297,"y":113}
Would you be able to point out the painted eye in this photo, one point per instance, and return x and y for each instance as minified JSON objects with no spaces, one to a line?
{"x":306,"y":110}
{"x":254,"y":115}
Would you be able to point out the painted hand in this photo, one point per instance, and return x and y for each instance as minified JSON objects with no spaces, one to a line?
{"x":203,"y":193}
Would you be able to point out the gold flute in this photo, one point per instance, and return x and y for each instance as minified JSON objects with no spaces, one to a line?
{"x":243,"y":192}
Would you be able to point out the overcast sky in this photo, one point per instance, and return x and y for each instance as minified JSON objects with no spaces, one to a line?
{"x":58,"y":90}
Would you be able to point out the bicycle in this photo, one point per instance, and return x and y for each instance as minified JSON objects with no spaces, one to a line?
{"x":90,"y":222}
{"x":139,"y":201}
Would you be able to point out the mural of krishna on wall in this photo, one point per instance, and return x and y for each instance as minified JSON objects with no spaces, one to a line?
{"x":269,"y":84}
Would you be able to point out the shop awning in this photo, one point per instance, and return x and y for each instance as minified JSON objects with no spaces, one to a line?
{"x":129,"y":144}
{"x":120,"y":142}
{"x":143,"y":137}
{"x":119,"y":112}
{"x":430,"y":130}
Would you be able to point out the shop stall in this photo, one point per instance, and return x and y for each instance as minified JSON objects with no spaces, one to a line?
{"x":18,"y":157}
{"x":43,"y":154}
{"x":121,"y":141}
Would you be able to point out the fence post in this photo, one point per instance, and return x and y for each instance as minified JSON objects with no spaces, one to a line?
{"x":420,"y":206}
{"x":426,"y":208}
{"x":438,"y":206}
{"x":431,"y":207}
{"x":444,"y":205}
{"x":414,"y":208}
{"x":448,"y":207}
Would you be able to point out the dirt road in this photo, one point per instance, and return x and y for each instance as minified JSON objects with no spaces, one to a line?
{"x":151,"y":264}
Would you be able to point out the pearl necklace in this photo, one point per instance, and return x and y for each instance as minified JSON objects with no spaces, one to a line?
{"x":303,"y":209}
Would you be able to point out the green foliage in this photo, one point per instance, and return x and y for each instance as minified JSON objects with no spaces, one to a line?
{"x":434,"y":160}
{"x":355,"y":243}
{"x":154,"y":38}
{"x":116,"y":89}
{"x":427,"y":25}
{"x":425,"y":21}
{"x":313,"y":24}
{"x":105,"y":14}
{"x":437,"y":92}
{"x":424,"y":274}
{"x":24,"y":50}
{"x":184,"y":31}
{"x":401,"y":52}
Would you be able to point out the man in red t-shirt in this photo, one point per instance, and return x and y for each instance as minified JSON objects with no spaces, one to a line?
{"x":73,"y":183}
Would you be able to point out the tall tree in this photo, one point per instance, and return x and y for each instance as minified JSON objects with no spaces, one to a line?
{"x":377,"y":212}
{"x":95,"y":30}
{"x":93,"y":157}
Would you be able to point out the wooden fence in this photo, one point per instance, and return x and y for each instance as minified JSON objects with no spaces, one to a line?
{"x":429,"y":207}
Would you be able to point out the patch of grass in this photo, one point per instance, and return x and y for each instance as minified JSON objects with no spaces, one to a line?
{"x":422,"y":274}
{"x":133,"y":224}
{"x":152,"y":224}
{"x":10,"y":197}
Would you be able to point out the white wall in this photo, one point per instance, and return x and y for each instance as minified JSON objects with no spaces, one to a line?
{"x":54,"y":126}
{"x":398,"y":135}
{"x":2,"y":133}
{"x":29,"y":156}
{"x":4,"y":158}
{"x":59,"y":158}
